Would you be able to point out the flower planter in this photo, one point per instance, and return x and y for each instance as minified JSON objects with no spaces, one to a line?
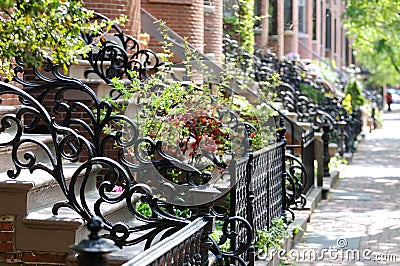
{"x":332,"y":149}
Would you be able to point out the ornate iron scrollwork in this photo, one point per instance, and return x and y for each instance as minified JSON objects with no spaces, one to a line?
{"x":238,"y":233}
{"x":297,"y":178}
{"x":115,"y":54}
{"x":68,"y":147}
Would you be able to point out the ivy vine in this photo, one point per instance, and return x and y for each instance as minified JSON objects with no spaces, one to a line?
{"x":240,"y":25}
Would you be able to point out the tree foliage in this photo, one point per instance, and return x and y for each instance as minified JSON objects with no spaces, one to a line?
{"x":374,"y":26}
{"x":34,"y":30}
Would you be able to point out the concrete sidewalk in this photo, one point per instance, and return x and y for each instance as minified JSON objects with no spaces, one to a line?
{"x":359,"y":223}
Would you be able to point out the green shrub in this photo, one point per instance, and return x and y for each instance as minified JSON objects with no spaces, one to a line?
{"x":354,"y":89}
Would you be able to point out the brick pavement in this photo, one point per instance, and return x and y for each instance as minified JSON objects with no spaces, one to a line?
{"x":359,"y":224}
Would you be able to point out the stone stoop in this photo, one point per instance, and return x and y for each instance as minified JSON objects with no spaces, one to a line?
{"x":36,"y":230}
{"x":29,"y":232}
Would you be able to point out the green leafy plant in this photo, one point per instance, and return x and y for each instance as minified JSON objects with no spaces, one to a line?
{"x":296,"y":229}
{"x":346,"y":103}
{"x":335,"y":162}
{"x":143,"y":209}
{"x":274,"y":237}
{"x":353,"y":88}
{"x":34,"y":31}
{"x":312,"y":92}
{"x":192,"y":118}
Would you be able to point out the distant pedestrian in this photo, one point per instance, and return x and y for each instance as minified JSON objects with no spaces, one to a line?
{"x":389,"y":100}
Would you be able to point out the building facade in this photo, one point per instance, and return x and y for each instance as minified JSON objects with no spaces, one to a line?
{"x":311,"y":28}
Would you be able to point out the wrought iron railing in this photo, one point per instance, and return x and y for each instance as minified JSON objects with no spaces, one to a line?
{"x":262,"y":66}
{"x":299,"y":161}
{"x":115,"y":54}
{"x":82,"y":142}
{"x":181,"y":248}
{"x":258,"y":196}
{"x":84,"y":127}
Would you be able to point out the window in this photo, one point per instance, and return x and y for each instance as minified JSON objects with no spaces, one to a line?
{"x":314,"y":20}
{"x":257,"y":12}
{"x":302,"y":16}
{"x":288,"y":17}
{"x":273,"y":17}
{"x":328,"y":29}
{"x":322,"y":18}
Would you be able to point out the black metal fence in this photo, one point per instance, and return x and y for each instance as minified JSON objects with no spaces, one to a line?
{"x":181,"y":248}
{"x":78,"y":137}
{"x":84,"y":127}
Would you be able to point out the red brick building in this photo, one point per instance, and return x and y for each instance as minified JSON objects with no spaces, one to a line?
{"x":198,"y":20}
{"x":311,"y":28}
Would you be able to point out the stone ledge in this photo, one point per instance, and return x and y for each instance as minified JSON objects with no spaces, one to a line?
{"x":330,"y":181}
{"x":313,"y":197}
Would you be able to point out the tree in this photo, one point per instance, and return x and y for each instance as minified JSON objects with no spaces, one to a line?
{"x":374,"y":27}
{"x":32,"y":31}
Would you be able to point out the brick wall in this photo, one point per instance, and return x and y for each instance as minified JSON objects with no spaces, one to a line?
{"x":213,"y":22}
{"x":9,"y":99}
{"x":185,"y":17}
{"x":115,"y":8}
{"x":10,"y":255}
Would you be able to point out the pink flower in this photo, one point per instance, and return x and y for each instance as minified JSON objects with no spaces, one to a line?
{"x":117,"y":189}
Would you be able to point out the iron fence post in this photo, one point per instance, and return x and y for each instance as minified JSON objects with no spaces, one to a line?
{"x":325,"y":138}
{"x":205,"y":211}
{"x":93,"y":251}
{"x":250,"y":207}
{"x":281,"y":138}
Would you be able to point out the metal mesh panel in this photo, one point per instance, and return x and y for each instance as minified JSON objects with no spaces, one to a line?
{"x":275,"y":181}
{"x":186,"y":253}
{"x":265,"y":170}
{"x":308,"y":159}
{"x":260,"y":184}
{"x":238,"y":201}
{"x":183,"y":248}
{"x":239,"y":194}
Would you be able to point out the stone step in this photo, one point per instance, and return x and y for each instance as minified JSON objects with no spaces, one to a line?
{"x":291,"y":115}
{"x":40,"y":189}
{"x":8,"y":109}
{"x":78,"y":70}
{"x":67,"y":227}
{"x":28,"y":146}
{"x":177,"y":73}
{"x":30,"y":199}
